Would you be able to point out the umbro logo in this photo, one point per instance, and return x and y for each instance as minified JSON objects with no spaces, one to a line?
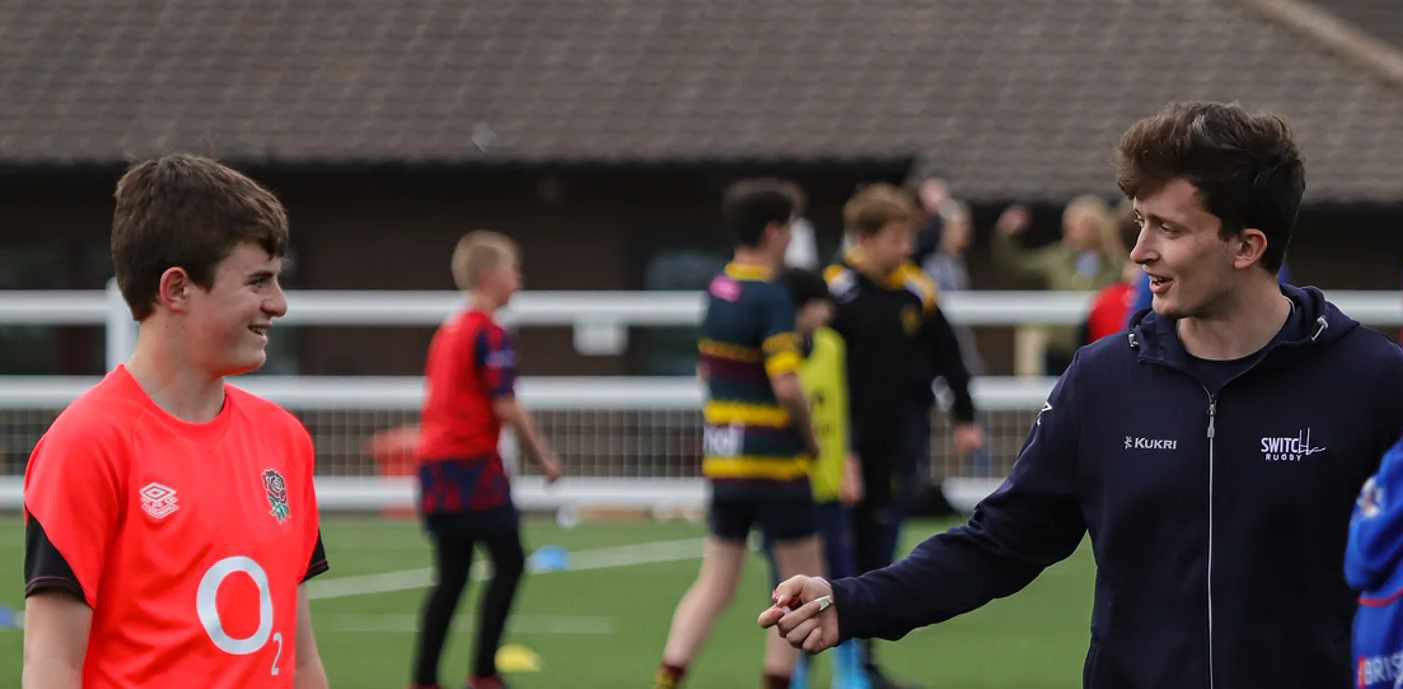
{"x":1140,"y":443}
{"x":157,"y":500}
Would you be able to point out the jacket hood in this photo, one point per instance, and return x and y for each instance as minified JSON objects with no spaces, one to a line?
{"x":1317,"y":323}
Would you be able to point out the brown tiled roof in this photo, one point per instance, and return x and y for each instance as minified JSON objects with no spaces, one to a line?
{"x":1382,"y":19}
{"x":1009,"y":98}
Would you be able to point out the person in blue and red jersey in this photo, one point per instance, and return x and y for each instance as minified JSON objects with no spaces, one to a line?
{"x":758,"y":440}
{"x":465,"y":497}
{"x":170,"y":518}
{"x":1374,"y":567}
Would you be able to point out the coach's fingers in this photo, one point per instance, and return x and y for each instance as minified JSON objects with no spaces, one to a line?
{"x":790,"y":620}
{"x":817,"y":640}
{"x":800,"y":633}
{"x":771,"y":616}
{"x":789,"y":592}
{"x":804,"y":612}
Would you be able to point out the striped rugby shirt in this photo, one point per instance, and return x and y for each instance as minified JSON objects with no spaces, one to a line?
{"x":746,"y":337}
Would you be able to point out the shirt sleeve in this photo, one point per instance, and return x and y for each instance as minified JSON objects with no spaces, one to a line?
{"x":844,"y":414}
{"x":495,"y":360}
{"x":72,"y":491}
{"x":1010,"y":254}
{"x":1032,"y":521}
{"x":778,"y":342}
{"x":1376,"y":526}
{"x":317,"y":564}
{"x":45,"y":569}
{"x":948,"y":360}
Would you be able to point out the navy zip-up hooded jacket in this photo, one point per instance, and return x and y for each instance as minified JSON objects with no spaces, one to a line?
{"x":1218,"y":524}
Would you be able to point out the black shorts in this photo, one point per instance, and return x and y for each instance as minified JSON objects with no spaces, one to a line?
{"x":502,"y":518}
{"x":780,"y":518}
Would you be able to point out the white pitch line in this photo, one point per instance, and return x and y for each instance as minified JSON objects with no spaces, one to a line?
{"x":597,"y":558}
{"x":519,"y":623}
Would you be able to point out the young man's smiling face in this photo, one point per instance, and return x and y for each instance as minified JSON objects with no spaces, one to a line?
{"x":227,"y":325}
{"x":1180,"y":247}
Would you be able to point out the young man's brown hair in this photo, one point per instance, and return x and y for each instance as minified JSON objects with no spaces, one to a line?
{"x":875,"y":206}
{"x":479,"y":251}
{"x":1246,"y":167}
{"x":189,"y":212}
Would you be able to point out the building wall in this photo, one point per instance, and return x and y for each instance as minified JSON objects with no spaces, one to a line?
{"x":393,"y":228}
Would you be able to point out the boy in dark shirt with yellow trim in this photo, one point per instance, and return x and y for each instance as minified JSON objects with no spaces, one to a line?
{"x":897,"y":342}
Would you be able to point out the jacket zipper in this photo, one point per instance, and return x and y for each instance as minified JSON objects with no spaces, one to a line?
{"x":1212,"y":419}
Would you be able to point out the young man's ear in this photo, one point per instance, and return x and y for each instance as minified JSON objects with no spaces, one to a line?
{"x":173,"y":291}
{"x":1250,"y":246}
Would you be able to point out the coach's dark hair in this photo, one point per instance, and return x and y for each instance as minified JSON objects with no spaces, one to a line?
{"x":751,"y":205}
{"x":189,"y":212}
{"x":1246,"y":167}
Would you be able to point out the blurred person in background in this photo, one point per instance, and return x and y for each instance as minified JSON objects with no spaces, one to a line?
{"x":758,"y":439}
{"x":932,"y":194}
{"x":1112,"y":305}
{"x":464,"y":493}
{"x":945,"y":266}
{"x":835,"y":477}
{"x":1213,"y":454}
{"x":897,"y":341}
{"x":1088,"y":257}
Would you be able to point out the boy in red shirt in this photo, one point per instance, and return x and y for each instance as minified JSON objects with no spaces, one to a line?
{"x":465,"y":497}
{"x":170,"y":518}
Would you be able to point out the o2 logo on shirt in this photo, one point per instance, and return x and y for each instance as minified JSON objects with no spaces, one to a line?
{"x":206,"y":607}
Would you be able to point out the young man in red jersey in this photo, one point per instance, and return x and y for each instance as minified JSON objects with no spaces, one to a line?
{"x":465,"y":497}
{"x":170,"y":518}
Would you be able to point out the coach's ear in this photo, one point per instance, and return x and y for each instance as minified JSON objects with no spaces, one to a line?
{"x":1248,"y":247}
{"x":173,"y":291}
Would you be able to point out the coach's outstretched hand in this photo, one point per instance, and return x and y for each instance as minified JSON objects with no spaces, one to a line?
{"x":803,"y":610}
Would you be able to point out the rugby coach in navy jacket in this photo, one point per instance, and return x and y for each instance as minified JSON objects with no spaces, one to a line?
{"x":1213,"y":452}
